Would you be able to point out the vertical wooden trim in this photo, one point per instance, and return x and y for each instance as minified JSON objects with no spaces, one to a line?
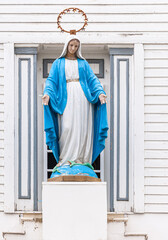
{"x":126,"y":198}
{"x":21,"y":81}
{"x":9,"y":128}
{"x":35,"y":133}
{"x":139,"y":128}
{"x":111,"y":133}
{"x":113,"y":52}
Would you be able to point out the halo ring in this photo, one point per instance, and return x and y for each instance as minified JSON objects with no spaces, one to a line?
{"x":67,"y":10}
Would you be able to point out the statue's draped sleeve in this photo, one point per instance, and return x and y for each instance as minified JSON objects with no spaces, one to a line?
{"x":50,"y":115}
{"x":100,"y":112}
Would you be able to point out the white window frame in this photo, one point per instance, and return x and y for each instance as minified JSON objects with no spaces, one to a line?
{"x":138,"y":127}
{"x":9,"y":128}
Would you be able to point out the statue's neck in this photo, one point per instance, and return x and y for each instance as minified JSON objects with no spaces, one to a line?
{"x":70,"y":56}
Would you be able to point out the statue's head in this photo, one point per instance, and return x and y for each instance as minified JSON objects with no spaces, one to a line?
{"x":72,"y":44}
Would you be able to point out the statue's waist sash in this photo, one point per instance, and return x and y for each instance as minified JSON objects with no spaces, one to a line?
{"x":72,"y":80}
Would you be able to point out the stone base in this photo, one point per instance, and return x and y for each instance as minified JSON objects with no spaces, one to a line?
{"x":74,"y":210}
{"x":74,"y":178}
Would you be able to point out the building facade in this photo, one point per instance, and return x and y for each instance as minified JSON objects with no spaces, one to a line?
{"x":126,"y":44}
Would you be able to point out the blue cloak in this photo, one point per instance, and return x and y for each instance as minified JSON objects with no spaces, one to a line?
{"x":55,"y":88}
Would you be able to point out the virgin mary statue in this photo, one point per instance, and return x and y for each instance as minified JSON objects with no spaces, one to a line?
{"x":75,"y":115}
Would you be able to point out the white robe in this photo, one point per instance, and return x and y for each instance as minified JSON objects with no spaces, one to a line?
{"x":76,"y":123}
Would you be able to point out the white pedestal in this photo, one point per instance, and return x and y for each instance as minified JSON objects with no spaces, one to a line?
{"x":74,"y":211}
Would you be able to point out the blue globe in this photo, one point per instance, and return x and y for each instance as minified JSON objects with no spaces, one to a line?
{"x":76,"y":169}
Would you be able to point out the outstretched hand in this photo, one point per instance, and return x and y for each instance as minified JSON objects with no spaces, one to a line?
{"x":45,"y":99}
{"x":102,"y":98}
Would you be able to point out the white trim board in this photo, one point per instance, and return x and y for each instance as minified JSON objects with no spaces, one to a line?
{"x":139,"y":128}
{"x":9,"y":145}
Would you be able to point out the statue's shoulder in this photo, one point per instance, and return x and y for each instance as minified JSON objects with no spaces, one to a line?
{"x":57,"y":62}
{"x":84,"y":62}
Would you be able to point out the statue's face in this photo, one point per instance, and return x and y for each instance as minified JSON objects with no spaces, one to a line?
{"x":73,"y":46}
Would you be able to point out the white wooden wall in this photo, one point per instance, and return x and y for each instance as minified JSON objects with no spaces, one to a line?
{"x":118,"y":21}
{"x":104,"y":16}
{"x":156,"y":128}
{"x":119,"y":18}
{"x":1,"y":127}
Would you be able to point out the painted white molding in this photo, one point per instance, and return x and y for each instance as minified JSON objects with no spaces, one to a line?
{"x":9,"y":146}
{"x":139,"y":128}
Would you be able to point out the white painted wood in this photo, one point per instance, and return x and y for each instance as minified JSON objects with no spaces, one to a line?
{"x":156,"y":91}
{"x":1,"y":62}
{"x":2,"y":165}
{"x":1,"y":152}
{"x":1,"y":206}
{"x":1,"y":127}
{"x":156,"y":72}
{"x":123,"y":206}
{"x":156,"y":181}
{"x":92,"y":27}
{"x":139,"y":128}
{"x":9,"y":127}
{"x":24,"y":127}
{"x":92,"y":18}
{"x":2,"y":198}
{"x":1,"y":71}
{"x":156,"y":118}
{"x":156,"y":190}
{"x":2,"y":143}
{"x":160,"y":109}
{"x":156,"y":163}
{"x":87,"y":37}
{"x":24,"y":204}
{"x":156,"y":54}
{"x":156,"y":127}
{"x":1,"y":89}
{"x":123,"y":129}
{"x":156,"y":154}
{"x":159,"y":171}
{"x":156,"y":136}
{"x":2,"y":52}
{"x":155,"y":46}
{"x":156,"y":100}
{"x":102,"y":8}
{"x":133,"y":15}
{"x":157,"y":208}
{"x":156,"y":63}
{"x":1,"y":170}
{"x":88,"y":2}
{"x":1,"y":117}
{"x":156,"y":144}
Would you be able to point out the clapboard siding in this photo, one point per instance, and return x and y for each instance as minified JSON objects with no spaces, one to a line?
{"x":92,"y":17}
{"x":1,"y":127}
{"x":156,"y":128}
{"x":108,"y":16}
{"x":86,"y":2}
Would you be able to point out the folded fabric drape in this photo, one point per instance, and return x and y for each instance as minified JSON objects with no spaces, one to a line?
{"x":56,"y":89}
